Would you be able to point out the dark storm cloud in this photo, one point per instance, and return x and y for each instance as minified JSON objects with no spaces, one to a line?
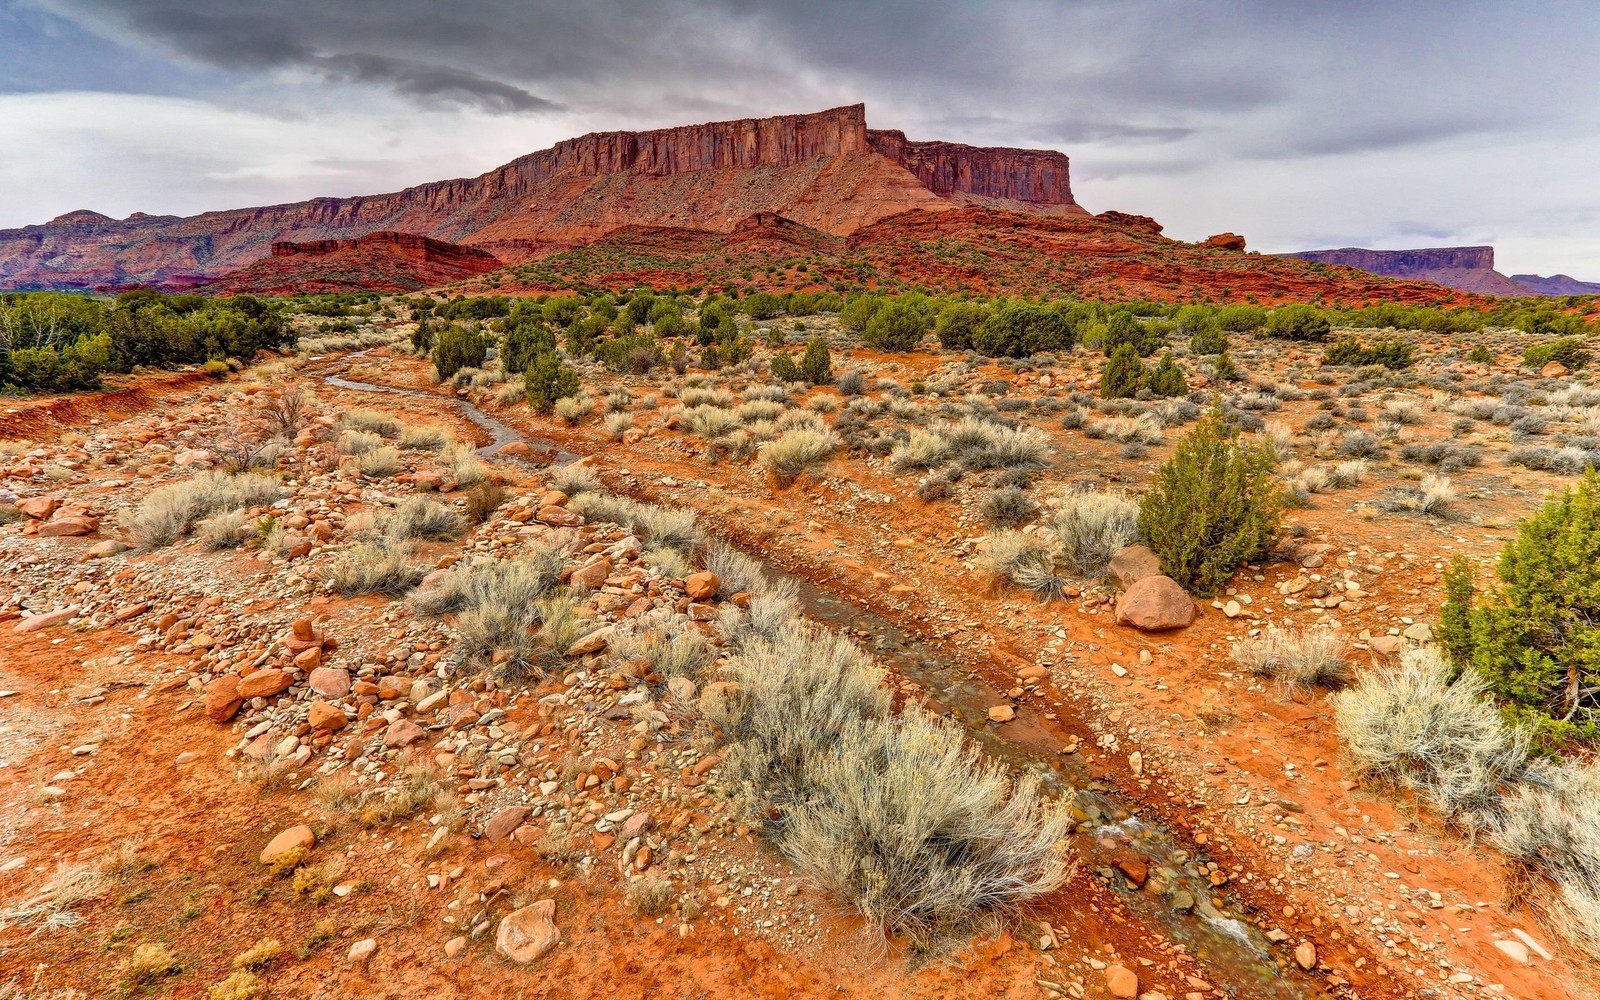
{"x":1087,"y":71}
{"x":429,"y":83}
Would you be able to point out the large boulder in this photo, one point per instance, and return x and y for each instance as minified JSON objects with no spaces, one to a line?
{"x":1156,"y":604}
{"x":1132,"y":564}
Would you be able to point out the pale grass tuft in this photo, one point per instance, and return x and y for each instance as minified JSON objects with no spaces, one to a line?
{"x":1091,"y":527}
{"x":1297,"y":659}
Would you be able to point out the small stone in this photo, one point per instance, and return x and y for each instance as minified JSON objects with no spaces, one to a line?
{"x":455,"y":946}
{"x":46,"y":620}
{"x":330,"y":682}
{"x":293,"y":839}
{"x":361,"y":951}
{"x":502,"y":823}
{"x":325,"y":717}
{"x":402,"y":733}
{"x":1156,"y":604}
{"x":265,"y":683}
{"x":1132,"y":564}
{"x":1122,"y":982}
{"x":1002,"y":713}
{"x":701,"y":586}
{"x":1305,"y":955}
{"x":223,"y":699}
{"x":528,"y":934}
{"x":1514,"y":950}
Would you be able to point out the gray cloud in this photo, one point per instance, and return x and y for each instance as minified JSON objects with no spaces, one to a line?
{"x":430,"y":84}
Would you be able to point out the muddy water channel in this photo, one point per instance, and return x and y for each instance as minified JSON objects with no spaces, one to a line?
{"x":1177,"y":898}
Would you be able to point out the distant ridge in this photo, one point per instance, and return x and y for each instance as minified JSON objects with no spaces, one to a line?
{"x":1469,"y":269}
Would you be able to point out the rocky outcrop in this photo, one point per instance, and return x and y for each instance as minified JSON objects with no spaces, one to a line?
{"x":1224,"y":241}
{"x":1129,"y":221}
{"x":383,"y":261}
{"x":406,"y":245}
{"x":825,"y":171}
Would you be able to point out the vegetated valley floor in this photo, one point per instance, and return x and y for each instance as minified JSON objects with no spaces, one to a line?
{"x":129,"y":818}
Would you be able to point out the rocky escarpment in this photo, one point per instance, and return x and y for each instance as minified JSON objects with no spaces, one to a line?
{"x":382,"y":261}
{"x":825,"y":170}
{"x":1469,"y":269}
{"x":1028,"y":177}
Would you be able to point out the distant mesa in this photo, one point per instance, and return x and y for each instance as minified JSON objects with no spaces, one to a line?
{"x":826,"y":171}
{"x":731,"y":202}
{"x":1557,"y":284}
{"x":1468,"y":269}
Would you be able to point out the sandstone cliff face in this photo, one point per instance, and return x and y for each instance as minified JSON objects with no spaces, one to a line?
{"x":1404,"y":263}
{"x":823,"y":170}
{"x":1032,"y":177}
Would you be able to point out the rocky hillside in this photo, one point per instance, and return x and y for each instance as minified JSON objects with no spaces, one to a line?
{"x":824,"y":170}
{"x":383,"y":261}
{"x":1113,"y":256}
{"x":1470,"y":269}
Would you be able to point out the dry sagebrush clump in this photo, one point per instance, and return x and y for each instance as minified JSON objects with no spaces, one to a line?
{"x":1092,"y":526}
{"x":899,"y":815}
{"x":1419,"y":727}
{"x":1297,"y":659}
{"x":169,"y":512}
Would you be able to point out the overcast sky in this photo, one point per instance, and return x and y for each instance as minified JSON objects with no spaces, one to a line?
{"x":1301,"y":125}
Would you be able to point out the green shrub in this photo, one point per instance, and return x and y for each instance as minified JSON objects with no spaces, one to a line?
{"x":762,"y":305}
{"x":1536,"y":637}
{"x":897,"y":326}
{"x":1224,"y":370}
{"x":1210,"y":340}
{"x":958,"y":324}
{"x":1298,"y":322}
{"x":524,"y":342}
{"x":1195,"y":320}
{"x":1569,"y":351}
{"x":784,"y":369}
{"x":858,"y":311}
{"x":1214,"y":506}
{"x":548,"y":379}
{"x":1018,"y":329}
{"x":457,"y":347}
{"x":1481,"y":355}
{"x":1124,"y":374}
{"x":1391,"y":353}
{"x":1241,"y":318}
{"x":816,"y":366}
{"x":1122,"y":328}
{"x":1167,"y":378}
{"x":562,"y":311}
